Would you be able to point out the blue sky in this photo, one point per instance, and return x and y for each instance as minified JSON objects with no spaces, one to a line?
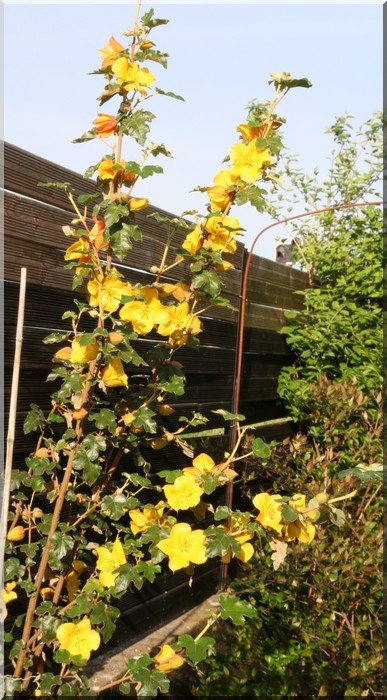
{"x":220,"y":58}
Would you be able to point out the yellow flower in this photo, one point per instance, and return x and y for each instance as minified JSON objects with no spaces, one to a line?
{"x":106,"y":171}
{"x":108,"y":560}
{"x":144,"y":315}
{"x":298,"y":502}
{"x":15,"y":534}
{"x":83,"y":353}
{"x":184,"y":546}
{"x":131,"y":76}
{"x":248,"y":162}
{"x":96,"y":234}
{"x":167,"y":659}
{"x":221,"y":194}
{"x":9,"y":594}
{"x":221,"y":231}
{"x":141,"y":519}
{"x":270,"y":511}
{"x":184,"y":493}
{"x":79,"y":639}
{"x":177,"y":318}
{"x":194,"y":241}
{"x":72,"y":577}
{"x":236,"y":527}
{"x":105,"y":124}
{"x":250,"y":132}
{"x":113,"y":374}
{"x":109,"y":52}
{"x":302,"y":531}
{"x":138,"y":203}
{"x":110,"y":292}
{"x":77,"y":249}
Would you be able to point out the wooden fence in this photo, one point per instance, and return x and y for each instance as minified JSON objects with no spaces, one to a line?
{"x":33,"y":222}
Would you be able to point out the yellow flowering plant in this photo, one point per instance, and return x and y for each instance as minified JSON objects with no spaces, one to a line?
{"x":84,"y":532}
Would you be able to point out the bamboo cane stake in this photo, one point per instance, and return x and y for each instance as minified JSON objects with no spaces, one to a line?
{"x":12,"y":413}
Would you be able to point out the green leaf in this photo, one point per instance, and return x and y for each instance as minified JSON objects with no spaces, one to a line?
{"x":121,"y":239}
{"x":196,"y":651}
{"x":147,"y":20}
{"x":87,"y":136}
{"x":208,"y":282}
{"x":83,"y":606}
{"x":118,"y":505}
{"x":290,"y":514}
{"x":235,"y":609}
{"x":149,"y":170}
{"x":286,"y":81}
{"x":61,"y":545}
{"x":13,"y":569}
{"x":226,"y":415}
{"x":34,"y":420}
{"x":105,"y":419}
{"x":171,"y":379}
{"x":151,"y":681}
{"x":222,"y":512}
{"x":137,"y":125}
{"x":261,"y":449}
{"x":55,"y":338}
{"x":170,"y":475}
{"x":169,"y":94}
{"x":336,"y":516}
{"x":157,"y":149}
{"x":144,"y":418}
{"x":218,"y":542}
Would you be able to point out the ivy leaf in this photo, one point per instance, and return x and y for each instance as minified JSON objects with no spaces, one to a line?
{"x":105,"y":615}
{"x":105,"y":419}
{"x":87,"y":136}
{"x":169,"y":94}
{"x":172,"y":379}
{"x":222,"y":512}
{"x":137,"y":125}
{"x":219,"y":541}
{"x":196,"y":651}
{"x":336,"y":516}
{"x":121,"y":239}
{"x":151,"y":681}
{"x":226,"y":415}
{"x":93,"y":445}
{"x":13,"y":569}
{"x":150,"y":170}
{"x":260,"y":448}
{"x":34,"y":419}
{"x":144,"y":419}
{"x":159,"y":148}
{"x":288,"y":513}
{"x":208,"y":282}
{"x":170,"y":475}
{"x":118,"y":505}
{"x":62,"y":545}
{"x":237,"y":610}
{"x":149,"y":21}
{"x":55,"y":338}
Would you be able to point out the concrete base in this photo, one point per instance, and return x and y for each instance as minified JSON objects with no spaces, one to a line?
{"x":110,"y":666}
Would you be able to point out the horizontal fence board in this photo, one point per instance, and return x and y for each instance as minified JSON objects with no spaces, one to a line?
{"x":285,"y":276}
{"x":46,"y":310}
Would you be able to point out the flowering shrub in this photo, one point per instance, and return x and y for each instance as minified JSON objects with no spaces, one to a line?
{"x":82,"y":530}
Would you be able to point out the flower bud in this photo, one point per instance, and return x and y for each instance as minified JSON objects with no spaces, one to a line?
{"x":16,"y":534}
{"x":115,"y":337}
{"x":80,"y":414}
{"x":322,"y":497}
